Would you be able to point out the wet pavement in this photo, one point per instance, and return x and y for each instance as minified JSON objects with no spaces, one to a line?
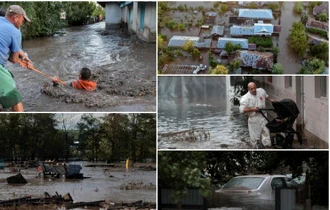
{"x":122,"y":65}
{"x":109,"y":184}
{"x":200,"y":103}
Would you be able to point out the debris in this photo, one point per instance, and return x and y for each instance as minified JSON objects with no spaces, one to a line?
{"x":17,"y":179}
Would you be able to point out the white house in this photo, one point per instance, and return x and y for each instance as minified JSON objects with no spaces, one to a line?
{"x":312,"y":98}
{"x":138,"y":17}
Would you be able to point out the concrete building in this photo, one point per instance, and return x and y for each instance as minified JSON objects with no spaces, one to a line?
{"x":138,"y":17}
{"x":312,"y":98}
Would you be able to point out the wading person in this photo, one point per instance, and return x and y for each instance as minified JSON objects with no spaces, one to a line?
{"x":82,"y":83}
{"x":10,"y":49}
{"x":250,"y":104}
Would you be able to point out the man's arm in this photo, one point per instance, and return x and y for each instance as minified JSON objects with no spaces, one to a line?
{"x":14,"y":57}
{"x":270,"y":99}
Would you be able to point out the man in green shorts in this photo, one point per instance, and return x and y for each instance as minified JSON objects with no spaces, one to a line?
{"x":10,"y":49}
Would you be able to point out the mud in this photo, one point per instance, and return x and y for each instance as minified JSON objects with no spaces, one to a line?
{"x":123,"y":66}
{"x":101,"y":186}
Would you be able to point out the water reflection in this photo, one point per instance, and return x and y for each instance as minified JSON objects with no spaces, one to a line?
{"x":200,"y":102}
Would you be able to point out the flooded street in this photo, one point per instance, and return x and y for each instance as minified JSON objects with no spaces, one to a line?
{"x":106,"y":183}
{"x":123,"y":66}
{"x":287,"y":57}
{"x":200,"y":103}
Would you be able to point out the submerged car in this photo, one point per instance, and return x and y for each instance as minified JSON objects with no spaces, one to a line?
{"x":255,"y":192}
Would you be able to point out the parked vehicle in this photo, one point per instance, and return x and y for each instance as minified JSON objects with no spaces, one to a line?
{"x":253,"y":192}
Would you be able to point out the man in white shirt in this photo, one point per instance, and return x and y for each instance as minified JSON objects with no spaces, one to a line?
{"x":250,"y":104}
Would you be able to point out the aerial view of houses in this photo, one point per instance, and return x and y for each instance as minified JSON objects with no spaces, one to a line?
{"x":243,"y":37}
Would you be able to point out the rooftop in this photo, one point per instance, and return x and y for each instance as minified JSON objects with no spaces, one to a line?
{"x":256,"y":13}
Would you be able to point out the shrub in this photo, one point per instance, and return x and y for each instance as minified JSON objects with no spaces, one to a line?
{"x":298,"y":7}
{"x":322,"y":17}
{"x":317,"y":31}
{"x":261,"y":41}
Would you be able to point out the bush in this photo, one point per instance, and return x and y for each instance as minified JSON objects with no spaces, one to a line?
{"x":171,"y":24}
{"x":277,"y":69}
{"x":317,"y":31}
{"x":216,"y":4}
{"x":322,"y":17}
{"x":313,"y":66}
{"x":274,"y":6}
{"x":253,"y":5}
{"x":224,"y":7}
{"x":219,"y":69}
{"x":298,"y":7}
{"x":181,"y":27}
{"x":261,"y":41}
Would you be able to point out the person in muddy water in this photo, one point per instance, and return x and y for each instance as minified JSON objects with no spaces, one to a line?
{"x":82,"y":83}
{"x":10,"y":49}
{"x":250,"y":104}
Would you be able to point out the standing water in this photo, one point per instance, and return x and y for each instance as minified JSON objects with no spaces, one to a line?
{"x":201,"y":103}
{"x":123,"y":66}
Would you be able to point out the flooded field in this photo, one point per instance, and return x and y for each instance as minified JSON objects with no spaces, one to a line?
{"x":106,"y":183}
{"x":201,"y":103}
{"x":122,"y":65}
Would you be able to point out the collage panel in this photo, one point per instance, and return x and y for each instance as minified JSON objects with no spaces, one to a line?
{"x":243,"y":180}
{"x":243,"y":37}
{"x":77,"y":161}
{"x":107,"y":48}
{"x":243,"y":112}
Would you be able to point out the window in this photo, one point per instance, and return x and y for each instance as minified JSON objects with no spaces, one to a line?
{"x":277,"y":182}
{"x":321,"y":86}
{"x":288,"y":82}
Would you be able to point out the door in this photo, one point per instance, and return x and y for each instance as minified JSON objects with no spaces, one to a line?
{"x":142,"y":14}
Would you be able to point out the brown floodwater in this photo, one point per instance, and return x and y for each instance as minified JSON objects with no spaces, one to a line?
{"x":106,"y":183}
{"x":290,"y":61}
{"x":123,"y":66}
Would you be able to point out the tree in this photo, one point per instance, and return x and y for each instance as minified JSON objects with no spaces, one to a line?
{"x":322,"y":17}
{"x":161,"y":42}
{"x":277,"y":69}
{"x":230,"y":47}
{"x":320,"y":51}
{"x":298,"y":7}
{"x":90,"y":135}
{"x":304,"y":19}
{"x":313,"y":66}
{"x":188,"y":46}
{"x":219,"y":69}
{"x":298,"y":38}
{"x":78,"y":12}
{"x":234,"y":65}
{"x":253,"y":5}
{"x":182,"y":170}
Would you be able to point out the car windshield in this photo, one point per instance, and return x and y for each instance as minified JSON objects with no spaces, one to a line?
{"x":244,"y":182}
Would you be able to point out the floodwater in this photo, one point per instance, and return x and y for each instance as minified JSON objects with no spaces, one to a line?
{"x":287,"y":57}
{"x":123,"y":66}
{"x":105,"y":184}
{"x":200,"y":103}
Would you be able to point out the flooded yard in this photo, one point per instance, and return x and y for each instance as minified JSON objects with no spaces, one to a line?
{"x":122,"y":65}
{"x":112,"y":184}
{"x":190,"y":16}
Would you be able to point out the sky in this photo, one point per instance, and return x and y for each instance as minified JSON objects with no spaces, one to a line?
{"x":72,"y":118}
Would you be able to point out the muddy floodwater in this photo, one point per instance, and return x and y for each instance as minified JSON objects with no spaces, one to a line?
{"x":111,"y":184}
{"x":122,"y":65}
{"x":200,"y":103}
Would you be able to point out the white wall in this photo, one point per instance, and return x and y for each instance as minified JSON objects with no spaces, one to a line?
{"x":316,"y":110}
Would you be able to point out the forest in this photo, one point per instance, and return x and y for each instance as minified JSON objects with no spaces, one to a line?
{"x":111,"y":137}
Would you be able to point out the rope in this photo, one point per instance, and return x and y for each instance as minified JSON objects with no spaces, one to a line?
{"x":40,"y":72}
